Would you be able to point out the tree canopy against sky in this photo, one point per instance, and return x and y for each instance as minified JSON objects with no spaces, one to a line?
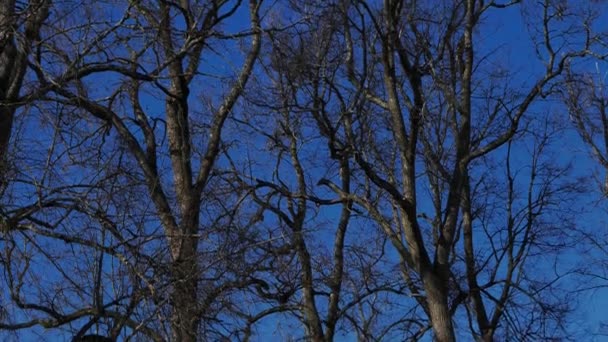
{"x":302,"y":170}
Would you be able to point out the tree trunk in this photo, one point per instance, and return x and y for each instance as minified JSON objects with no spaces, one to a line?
{"x":438,"y":308}
{"x":6,"y":124}
{"x":8,"y":55}
{"x":488,"y":335}
{"x":314,"y":326}
{"x":13,"y":61}
{"x":184,"y":297}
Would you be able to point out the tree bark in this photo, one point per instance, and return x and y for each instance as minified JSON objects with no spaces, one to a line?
{"x":8,"y":56}
{"x":184,"y":298}
{"x":13,"y":62}
{"x":438,"y":308}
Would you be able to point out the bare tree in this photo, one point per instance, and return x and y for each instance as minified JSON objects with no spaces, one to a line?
{"x":127,"y":96}
{"x":20,"y":25}
{"x":434,"y":93}
{"x":509,"y":227}
{"x":584,"y":94}
{"x":585,"y":97}
{"x":327,"y":280}
{"x":414,"y":105}
{"x":377,"y":175}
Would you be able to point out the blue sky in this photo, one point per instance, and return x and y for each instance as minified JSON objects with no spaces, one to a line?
{"x":519,"y":53}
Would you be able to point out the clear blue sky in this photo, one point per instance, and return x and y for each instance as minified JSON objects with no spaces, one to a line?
{"x":508,"y":38}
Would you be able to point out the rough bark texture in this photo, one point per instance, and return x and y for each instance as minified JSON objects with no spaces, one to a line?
{"x":13,"y":60}
{"x":185,"y":296}
{"x":438,"y":309}
{"x":8,"y":57}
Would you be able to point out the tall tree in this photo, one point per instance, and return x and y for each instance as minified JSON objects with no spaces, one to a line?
{"x":205,"y":170}
{"x":441,"y":106}
{"x":20,"y":25}
{"x":586,"y":100}
{"x":417,"y":102}
{"x":96,"y":66}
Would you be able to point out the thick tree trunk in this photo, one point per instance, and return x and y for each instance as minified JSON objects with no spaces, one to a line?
{"x":8,"y":55}
{"x":439,"y":311}
{"x":6,"y":124}
{"x":13,"y":61}
{"x":488,"y":335}
{"x":184,"y":297}
{"x":314,"y":326}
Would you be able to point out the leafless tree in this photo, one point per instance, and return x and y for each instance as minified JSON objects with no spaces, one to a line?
{"x":20,"y":25}
{"x":585,"y":97}
{"x":414,"y":104}
{"x":437,"y":87}
{"x":326,"y":279}
{"x":125,"y":205}
{"x":202,"y":170}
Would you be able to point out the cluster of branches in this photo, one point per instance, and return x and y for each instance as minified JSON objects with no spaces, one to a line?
{"x":234,"y":170}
